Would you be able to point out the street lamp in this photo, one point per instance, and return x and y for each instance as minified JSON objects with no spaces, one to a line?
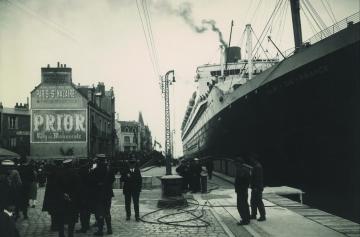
{"x":165,"y":90}
{"x":171,"y":184}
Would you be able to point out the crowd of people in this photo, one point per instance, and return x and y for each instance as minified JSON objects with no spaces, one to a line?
{"x":190,"y":170}
{"x":74,"y":191}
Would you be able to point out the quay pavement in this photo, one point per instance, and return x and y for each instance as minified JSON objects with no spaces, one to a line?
{"x":213,"y":214}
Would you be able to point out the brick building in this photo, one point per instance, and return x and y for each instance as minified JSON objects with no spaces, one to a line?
{"x":15,"y":128}
{"x":69,"y":119}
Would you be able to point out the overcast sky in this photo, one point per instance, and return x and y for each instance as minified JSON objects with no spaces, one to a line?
{"x":103,"y":41}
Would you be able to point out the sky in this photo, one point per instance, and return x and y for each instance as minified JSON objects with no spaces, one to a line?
{"x":104,"y":41}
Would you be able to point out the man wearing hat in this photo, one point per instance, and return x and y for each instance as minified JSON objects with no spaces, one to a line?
{"x":103,"y":178}
{"x":242,"y":182}
{"x":132,"y":187}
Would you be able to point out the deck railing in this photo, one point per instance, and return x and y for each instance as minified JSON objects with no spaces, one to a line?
{"x":341,"y":25}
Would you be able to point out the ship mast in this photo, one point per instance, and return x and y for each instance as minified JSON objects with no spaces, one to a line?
{"x":249,"y":49}
{"x":295,"y":14}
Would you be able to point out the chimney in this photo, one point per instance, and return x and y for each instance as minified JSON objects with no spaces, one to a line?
{"x":16,"y":105}
{"x":27,"y":101}
{"x":48,"y":66}
{"x":65,"y":65}
{"x":1,"y":105}
{"x":58,"y":64}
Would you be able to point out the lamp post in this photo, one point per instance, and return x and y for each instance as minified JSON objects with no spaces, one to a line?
{"x":165,"y":90}
{"x":171,"y":184}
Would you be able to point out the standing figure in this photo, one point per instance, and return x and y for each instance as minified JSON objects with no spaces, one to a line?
{"x":52,"y":192}
{"x":257,"y":187}
{"x":103,"y":179}
{"x":132,"y":179}
{"x":195,"y":171}
{"x":209,"y":167}
{"x":183,"y":171}
{"x":86,"y":197}
{"x":17,"y":189}
{"x":32,"y":184}
{"x":242,"y":181}
{"x":67,"y":198}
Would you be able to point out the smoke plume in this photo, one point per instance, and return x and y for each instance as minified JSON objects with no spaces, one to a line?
{"x":184,"y":11}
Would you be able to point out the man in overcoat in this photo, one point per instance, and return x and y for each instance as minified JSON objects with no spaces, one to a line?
{"x":103,"y":178}
{"x":132,"y":179}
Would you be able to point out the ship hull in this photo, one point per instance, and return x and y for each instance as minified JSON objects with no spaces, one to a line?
{"x":305,"y":125}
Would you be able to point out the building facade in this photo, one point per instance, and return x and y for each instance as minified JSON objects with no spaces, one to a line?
{"x":15,"y":129}
{"x":134,"y":136}
{"x":68,"y":119}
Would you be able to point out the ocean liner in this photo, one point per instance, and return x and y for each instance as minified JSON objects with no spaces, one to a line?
{"x":301,"y":114}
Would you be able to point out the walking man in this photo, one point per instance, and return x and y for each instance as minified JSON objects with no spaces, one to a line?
{"x":257,"y":187}
{"x":132,"y":187}
{"x":242,"y":181}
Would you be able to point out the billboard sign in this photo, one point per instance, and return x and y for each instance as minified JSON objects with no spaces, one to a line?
{"x":51,"y":96}
{"x":58,"y":125}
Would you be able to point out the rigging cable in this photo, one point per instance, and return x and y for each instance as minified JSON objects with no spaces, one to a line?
{"x":309,"y":21}
{"x":150,"y":33}
{"x":51,"y":24}
{"x":268,"y":22}
{"x":311,"y":14}
{"x":147,"y":41}
{"x":332,"y":13}
{"x":328,"y":12}
{"x":254,"y":17}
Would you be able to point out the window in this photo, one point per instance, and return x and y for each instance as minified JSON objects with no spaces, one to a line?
{"x":13,"y":142}
{"x":13,"y":122}
{"x":127,"y":139}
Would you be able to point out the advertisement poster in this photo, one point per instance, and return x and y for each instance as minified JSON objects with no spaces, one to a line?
{"x":55,"y":126}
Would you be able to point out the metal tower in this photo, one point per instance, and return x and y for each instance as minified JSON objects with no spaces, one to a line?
{"x":165,"y":90}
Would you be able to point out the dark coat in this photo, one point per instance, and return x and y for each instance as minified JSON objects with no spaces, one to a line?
{"x":132,"y":180}
{"x":51,"y":190}
{"x":68,"y":197}
{"x":7,"y":226}
{"x":86,"y":194}
{"x":103,"y":179}
{"x":209,"y":165}
{"x":257,"y":177}
{"x":6,"y":194}
{"x":195,"y":170}
{"x":242,"y":179}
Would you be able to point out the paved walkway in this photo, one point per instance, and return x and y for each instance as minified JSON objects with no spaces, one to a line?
{"x":218,"y":220}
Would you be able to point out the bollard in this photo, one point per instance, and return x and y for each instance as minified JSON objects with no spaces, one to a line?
{"x":203,"y":181}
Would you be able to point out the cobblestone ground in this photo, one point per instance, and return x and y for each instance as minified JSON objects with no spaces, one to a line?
{"x":38,"y":223}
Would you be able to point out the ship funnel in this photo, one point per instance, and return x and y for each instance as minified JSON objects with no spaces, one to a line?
{"x":233,"y":54}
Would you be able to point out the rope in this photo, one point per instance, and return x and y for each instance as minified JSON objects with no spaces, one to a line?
{"x":181,"y":210}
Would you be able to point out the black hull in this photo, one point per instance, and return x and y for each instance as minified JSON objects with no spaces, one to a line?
{"x":305,"y":125}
